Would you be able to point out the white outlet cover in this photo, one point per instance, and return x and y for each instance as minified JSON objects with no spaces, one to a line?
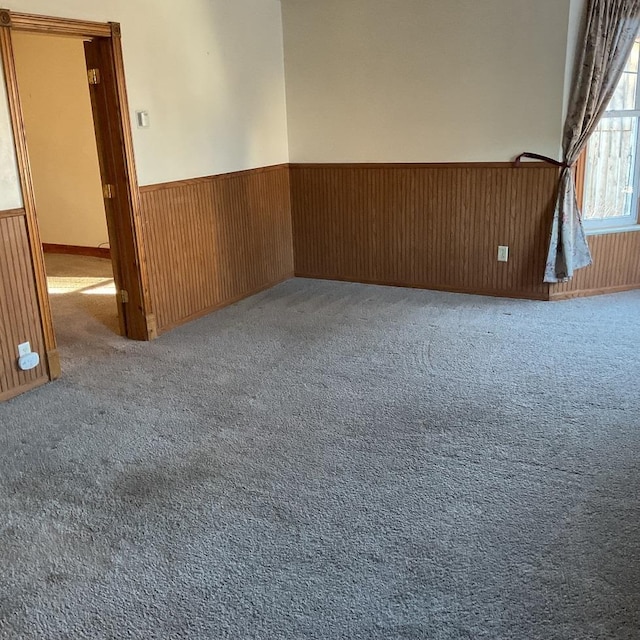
{"x":24,"y":349}
{"x":29,"y":361}
{"x":503,"y":253}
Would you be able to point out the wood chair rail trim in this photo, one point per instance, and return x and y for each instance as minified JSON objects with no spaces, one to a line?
{"x":13,"y":213}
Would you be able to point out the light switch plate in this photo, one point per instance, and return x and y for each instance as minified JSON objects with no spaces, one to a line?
{"x":142,"y":118}
{"x":503,"y":253}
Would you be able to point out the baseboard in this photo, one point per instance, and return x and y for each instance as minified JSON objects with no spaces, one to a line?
{"x":222,"y":305}
{"x":152,"y":326}
{"x":74,"y":250}
{"x":586,"y":293}
{"x":12,"y":393}
{"x":518,"y":295}
{"x":53,"y":362}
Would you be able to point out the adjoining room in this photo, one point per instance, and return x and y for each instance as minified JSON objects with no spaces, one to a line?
{"x":56,"y":104}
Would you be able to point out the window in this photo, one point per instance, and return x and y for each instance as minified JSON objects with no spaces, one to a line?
{"x":612,"y":174}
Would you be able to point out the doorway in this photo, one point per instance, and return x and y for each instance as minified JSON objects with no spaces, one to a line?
{"x":121,"y":200}
{"x":65,"y":169}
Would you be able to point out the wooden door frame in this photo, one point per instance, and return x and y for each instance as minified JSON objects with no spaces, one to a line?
{"x":12,"y":21}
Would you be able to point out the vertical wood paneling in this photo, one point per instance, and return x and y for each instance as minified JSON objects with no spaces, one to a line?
{"x":616,"y":267}
{"x":19,"y":315}
{"x":429,"y":226}
{"x":212,"y":241}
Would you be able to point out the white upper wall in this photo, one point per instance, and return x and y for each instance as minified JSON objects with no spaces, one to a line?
{"x":367,"y":81}
{"x":209,"y":72}
{"x":424,"y":80}
{"x":10,"y":195}
{"x":576,"y":29}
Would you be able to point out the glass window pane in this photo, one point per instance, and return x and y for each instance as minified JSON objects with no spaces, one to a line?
{"x":625,"y":94}
{"x":610,"y":169}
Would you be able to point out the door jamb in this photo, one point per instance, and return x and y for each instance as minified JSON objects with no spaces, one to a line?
{"x":9,"y":21}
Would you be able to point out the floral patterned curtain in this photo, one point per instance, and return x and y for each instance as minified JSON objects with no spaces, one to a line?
{"x":611,"y":29}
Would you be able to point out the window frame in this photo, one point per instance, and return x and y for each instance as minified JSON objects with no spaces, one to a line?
{"x":618,"y":223}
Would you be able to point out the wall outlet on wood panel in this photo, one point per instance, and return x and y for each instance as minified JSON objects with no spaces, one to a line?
{"x":27,"y":359}
{"x":503,"y":253}
{"x":24,"y":349}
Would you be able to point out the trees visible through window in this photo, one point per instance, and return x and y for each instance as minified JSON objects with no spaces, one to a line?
{"x":612,"y":178}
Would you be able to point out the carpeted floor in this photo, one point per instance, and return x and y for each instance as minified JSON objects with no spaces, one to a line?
{"x":329,"y":460}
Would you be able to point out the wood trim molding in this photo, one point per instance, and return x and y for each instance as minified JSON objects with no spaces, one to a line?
{"x":149,"y":331}
{"x":74,"y":250}
{"x":418,"y":165}
{"x":13,"y":213}
{"x":205,"y":179}
{"x":342,"y":165}
{"x":26,"y":184}
{"x":492,"y":293}
{"x":586,"y":293}
{"x":55,"y":368}
{"x":55,"y":26}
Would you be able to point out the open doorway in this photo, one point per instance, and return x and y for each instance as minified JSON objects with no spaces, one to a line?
{"x":60,"y":132}
{"x":121,"y":197}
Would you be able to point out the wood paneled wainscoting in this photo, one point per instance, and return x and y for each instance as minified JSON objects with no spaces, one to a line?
{"x":616,"y":267}
{"x":19,"y":315}
{"x":212,"y":241}
{"x":427,"y":226}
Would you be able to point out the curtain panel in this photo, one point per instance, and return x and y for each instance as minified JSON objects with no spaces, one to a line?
{"x":610,"y":31}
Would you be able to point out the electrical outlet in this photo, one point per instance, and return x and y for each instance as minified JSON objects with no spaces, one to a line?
{"x":503,"y":254}
{"x":24,"y":349}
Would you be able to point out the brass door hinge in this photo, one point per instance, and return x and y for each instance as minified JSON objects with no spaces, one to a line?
{"x":94,"y":76}
{"x":107,"y":191}
{"x":124,"y":296}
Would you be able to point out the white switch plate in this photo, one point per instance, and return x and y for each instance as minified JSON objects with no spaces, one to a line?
{"x":503,"y":254}
{"x":142,"y":118}
{"x":24,"y":349}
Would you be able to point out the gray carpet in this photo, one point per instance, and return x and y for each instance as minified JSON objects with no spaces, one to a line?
{"x":330,"y":460}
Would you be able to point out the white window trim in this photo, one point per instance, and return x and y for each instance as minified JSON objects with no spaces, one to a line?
{"x":603,"y":231}
{"x":601,"y":226}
